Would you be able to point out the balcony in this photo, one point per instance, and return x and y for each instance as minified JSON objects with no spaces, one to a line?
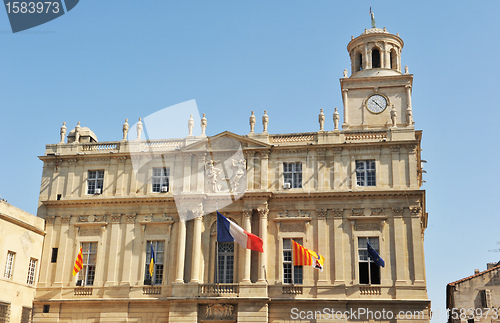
{"x":369,"y":290}
{"x":83,"y":291}
{"x":151,"y":290}
{"x":292,"y":290}
{"x":218,"y":289}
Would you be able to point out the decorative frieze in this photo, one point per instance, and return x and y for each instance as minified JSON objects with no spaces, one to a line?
{"x":415,"y":210}
{"x":357,"y":212}
{"x":338,"y":213}
{"x":65,"y":219}
{"x":88,"y":232}
{"x":370,"y":226}
{"x":217,"y":312}
{"x":292,"y":227}
{"x":115,"y":218}
{"x":156,"y":229}
{"x":50,"y":219}
{"x":321,"y":213}
{"x":131,"y":217}
{"x":378,"y":211}
{"x":397,"y":211}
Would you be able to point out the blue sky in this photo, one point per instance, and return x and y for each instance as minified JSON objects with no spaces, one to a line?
{"x":109,"y":60}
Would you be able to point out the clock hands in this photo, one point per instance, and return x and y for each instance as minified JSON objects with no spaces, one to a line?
{"x":377,"y":104}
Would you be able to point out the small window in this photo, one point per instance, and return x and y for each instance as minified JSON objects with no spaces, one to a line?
{"x":159,"y":252}
{"x":161,"y":180}
{"x":393,"y":57}
{"x":4,"y":312}
{"x":31,"y":271}
{"x":369,"y":272}
{"x":59,"y":197}
{"x":26,"y":315}
{"x":9,"y":265}
{"x":225,"y":262}
{"x":87,"y":274}
{"x":46,"y":309}
{"x":54,"y":255}
{"x":375,"y":58}
{"x":292,"y":174}
{"x":365,"y":173}
{"x":95,"y":181}
{"x":291,"y":274}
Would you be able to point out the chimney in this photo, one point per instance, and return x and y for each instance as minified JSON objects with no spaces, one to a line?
{"x":490,"y":265}
{"x":476,"y":271}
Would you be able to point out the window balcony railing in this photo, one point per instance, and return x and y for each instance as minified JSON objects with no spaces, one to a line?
{"x":370,"y":290}
{"x":218,"y":289}
{"x":83,"y":291}
{"x":292,"y":290}
{"x":151,"y":290}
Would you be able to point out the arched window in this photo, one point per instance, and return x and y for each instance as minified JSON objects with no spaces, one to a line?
{"x":394,"y":58}
{"x":375,"y":58}
{"x":358,"y":62}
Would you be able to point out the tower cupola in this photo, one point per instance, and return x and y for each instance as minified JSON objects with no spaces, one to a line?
{"x":375,"y":52}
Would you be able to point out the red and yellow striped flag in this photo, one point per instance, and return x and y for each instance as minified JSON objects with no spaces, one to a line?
{"x":78,"y":263}
{"x":305,"y":257}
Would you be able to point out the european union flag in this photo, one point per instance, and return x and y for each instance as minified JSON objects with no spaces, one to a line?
{"x":375,"y":256}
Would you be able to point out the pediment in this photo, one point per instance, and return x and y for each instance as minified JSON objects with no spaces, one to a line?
{"x":224,"y":141}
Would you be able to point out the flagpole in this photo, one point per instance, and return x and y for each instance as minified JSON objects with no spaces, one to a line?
{"x":216,"y":244}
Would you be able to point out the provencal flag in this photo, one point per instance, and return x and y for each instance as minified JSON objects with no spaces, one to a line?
{"x":152,"y":263}
{"x":305,"y":257}
{"x":78,"y":263}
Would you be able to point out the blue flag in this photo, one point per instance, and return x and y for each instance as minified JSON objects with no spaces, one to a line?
{"x":152,"y":263}
{"x":375,"y":256}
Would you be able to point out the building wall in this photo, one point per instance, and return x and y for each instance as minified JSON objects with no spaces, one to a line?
{"x":477,"y":298}
{"x":22,"y":234}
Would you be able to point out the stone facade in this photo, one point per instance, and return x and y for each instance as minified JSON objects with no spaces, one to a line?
{"x":475,"y":298}
{"x":330,"y":190}
{"x":21,"y":240}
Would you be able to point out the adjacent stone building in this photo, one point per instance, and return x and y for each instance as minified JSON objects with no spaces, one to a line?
{"x":331,"y":190}
{"x":21,"y":240}
{"x":475,"y":298}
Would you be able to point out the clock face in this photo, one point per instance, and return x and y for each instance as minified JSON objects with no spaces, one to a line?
{"x":376,"y":103}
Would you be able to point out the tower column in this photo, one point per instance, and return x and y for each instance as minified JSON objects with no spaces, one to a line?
{"x":263,"y":212}
{"x":181,"y":247}
{"x":247,"y":214}
{"x":196,"y":259}
{"x":345,"y":125}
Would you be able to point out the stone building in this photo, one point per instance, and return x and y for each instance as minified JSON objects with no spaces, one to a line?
{"x":331,"y":190}
{"x":475,"y":298}
{"x":21,"y":240}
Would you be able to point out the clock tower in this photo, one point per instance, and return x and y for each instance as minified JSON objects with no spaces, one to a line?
{"x":377,"y":95}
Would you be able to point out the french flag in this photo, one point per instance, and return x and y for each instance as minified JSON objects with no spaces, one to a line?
{"x":228,"y":231}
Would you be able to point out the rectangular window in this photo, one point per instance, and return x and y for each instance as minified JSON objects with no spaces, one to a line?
{"x":159,"y":250}
{"x":365,"y":173}
{"x":87,"y":274}
{"x":26,"y":315}
{"x":95,"y":181}
{"x":54,"y":255}
{"x":225,"y":262}
{"x":292,"y":174}
{"x":291,"y":274}
{"x":9,"y":264}
{"x":4,"y":312}
{"x":31,"y":271}
{"x":369,"y":272}
{"x":46,"y":309}
{"x":161,"y":180}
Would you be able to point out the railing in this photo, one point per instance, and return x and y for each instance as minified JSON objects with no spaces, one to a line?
{"x":292,"y":138}
{"x":100,"y":146}
{"x":83,"y":291}
{"x":157,"y":144}
{"x":151,"y":290}
{"x":292,"y":290}
{"x":365,"y":135}
{"x":365,"y":290}
{"x":217,"y":289}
